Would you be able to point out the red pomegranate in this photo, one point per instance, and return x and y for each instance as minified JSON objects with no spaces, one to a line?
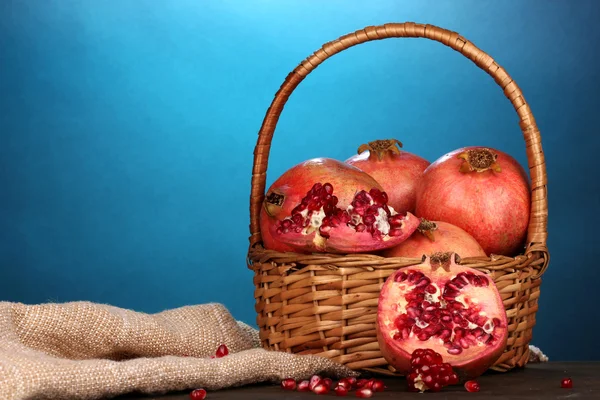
{"x":324,"y":205}
{"x":481,"y":190}
{"x":435,"y":237}
{"x":451,"y":309}
{"x":397,"y":171}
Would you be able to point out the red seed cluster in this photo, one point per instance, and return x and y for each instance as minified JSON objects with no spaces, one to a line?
{"x":318,"y":385}
{"x":449,"y":320}
{"x":361,"y":216}
{"x":429,"y":372}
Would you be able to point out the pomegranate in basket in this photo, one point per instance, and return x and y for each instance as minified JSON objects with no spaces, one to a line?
{"x":325,"y":205}
{"x":436,"y":236}
{"x":481,"y":190}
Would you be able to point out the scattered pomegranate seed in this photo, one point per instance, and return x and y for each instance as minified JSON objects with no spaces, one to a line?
{"x":198,"y":394}
{"x":472,"y":386}
{"x":361,"y":383}
{"x":314,"y":381}
{"x":378,"y":385}
{"x":222,"y":351}
{"x":327,"y":382}
{"x":288,"y":384}
{"x":304,"y":386}
{"x":341,"y":390}
{"x":345,"y":382}
{"x":566,"y":383}
{"x":321,"y":389}
{"x":364,"y":393}
{"x":352,"y":381}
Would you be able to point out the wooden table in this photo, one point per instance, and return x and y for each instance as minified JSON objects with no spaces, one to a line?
{"x":536,"y":381}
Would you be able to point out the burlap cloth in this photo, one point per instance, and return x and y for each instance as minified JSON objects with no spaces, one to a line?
{"x":83,"y":350}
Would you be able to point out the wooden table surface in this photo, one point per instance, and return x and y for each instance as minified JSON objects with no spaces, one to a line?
{"x":536,"y":381}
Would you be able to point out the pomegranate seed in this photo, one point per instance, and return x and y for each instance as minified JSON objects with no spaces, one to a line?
{"x":361,"y":383}
{"x":345,"y":382}
{"x":352,"y":381}
{"x":198,"y":394}
{"x":472,"y":386}
{"x":364,"y":393}
{"x":378,"y":385}
{"x":341,"y":390}
{"x":314,"y":381}
{"x":222,"y":351}
{"x":327,"y":382}
{"x":368,"y":384}
{"x":453,"y":379}
{"x":304,"y":386}
{"x":288,"y":384}
{"x":321,"y":389}
{"x":566,"y":383}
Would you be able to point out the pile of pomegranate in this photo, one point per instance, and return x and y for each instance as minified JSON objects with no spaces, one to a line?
{"x":470,"y":202}
{"x":473,"y":201}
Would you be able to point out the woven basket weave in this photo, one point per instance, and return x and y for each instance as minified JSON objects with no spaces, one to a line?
{"x":326,"y":304}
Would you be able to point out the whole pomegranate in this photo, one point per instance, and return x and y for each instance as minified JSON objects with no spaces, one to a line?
{"x":481,"y":190}
{"x":324,"y":205}
{"x":451,"y":309}
{"x":433,"y":237}
{"x":396,"y":171}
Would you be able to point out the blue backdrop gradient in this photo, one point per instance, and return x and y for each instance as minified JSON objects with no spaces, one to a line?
{"x":127,"y":131}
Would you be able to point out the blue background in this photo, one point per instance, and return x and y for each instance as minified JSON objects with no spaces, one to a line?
{"x":127,"y":131}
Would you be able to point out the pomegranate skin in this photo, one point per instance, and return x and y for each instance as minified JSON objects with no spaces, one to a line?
{"x":469,"y":363}
{"x":293,"y":184}
{"x":397,"y":171}
{"x":492,"y":206}
{"x":446,"y":238}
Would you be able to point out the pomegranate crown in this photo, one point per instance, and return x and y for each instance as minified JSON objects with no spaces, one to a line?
{"x":479,"y":160}
{"x":381,"y":147}
{"x":444,"y":260}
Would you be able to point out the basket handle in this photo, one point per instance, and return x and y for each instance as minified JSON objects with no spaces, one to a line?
{"x":537,"y":230}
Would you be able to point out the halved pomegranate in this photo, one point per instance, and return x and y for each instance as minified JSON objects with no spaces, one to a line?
{"x":367,"y":224}
{"x":449,"y":308}
{"x":349,"y":215}
{"x":436,"y":236}
{"x":289,"y":189}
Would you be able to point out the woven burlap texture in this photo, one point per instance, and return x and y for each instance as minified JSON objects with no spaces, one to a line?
{"x":83,"y":350}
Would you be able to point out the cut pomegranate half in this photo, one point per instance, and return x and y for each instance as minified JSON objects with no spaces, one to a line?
{"x":452,"y":309}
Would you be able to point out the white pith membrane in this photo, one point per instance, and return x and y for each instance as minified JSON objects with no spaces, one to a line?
{"x":456,"y":320}
{"x":318,"y":213}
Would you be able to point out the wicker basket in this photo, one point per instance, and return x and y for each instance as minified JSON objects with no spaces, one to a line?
{"x":326,"y":304}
